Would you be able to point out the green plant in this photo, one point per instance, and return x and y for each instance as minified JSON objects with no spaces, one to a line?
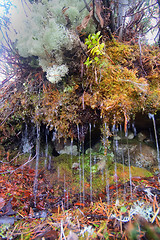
{"x":95,"y":48}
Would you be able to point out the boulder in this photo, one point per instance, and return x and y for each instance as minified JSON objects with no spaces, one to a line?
{"x":146,"y":157}
{"x":68,"y":149}
{"x":141,"y":155}
{"x":121,"y":136}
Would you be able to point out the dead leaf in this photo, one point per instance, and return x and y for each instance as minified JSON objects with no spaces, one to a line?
{"x":85,"y":21}
{"x":98,"y":12}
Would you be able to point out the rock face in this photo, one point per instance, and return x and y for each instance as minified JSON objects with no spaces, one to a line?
{"x":146,"y":157}
{"x":65,"y":148}
{"x":141,"y":155}
{"x":69,"y":149}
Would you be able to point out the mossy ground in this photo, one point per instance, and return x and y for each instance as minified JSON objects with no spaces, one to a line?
{"x":62,"y":174}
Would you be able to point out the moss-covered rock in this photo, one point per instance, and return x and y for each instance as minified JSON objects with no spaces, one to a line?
{"x":65,"y":175}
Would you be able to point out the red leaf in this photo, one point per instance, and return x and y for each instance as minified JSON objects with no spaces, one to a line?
{"x":79,"y":204}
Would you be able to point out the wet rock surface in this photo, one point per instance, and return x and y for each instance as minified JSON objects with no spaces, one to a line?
{"x":145,"y":157}
{"x":141,"y":155}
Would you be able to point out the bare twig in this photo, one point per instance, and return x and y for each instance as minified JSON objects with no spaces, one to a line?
{"x":12,"y":171}
{"x":7,"y":117}
{"x":145,"y":8}
{"x":139,"y":85}
{"x":87,"y":6}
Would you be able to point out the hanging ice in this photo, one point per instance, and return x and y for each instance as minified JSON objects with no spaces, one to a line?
{"x":151,"y":116}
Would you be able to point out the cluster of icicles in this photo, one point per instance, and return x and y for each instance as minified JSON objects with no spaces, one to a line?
{"x":81,"y":161}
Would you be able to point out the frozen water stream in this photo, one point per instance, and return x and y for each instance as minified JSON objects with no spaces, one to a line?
{"x":35,"y":186}
{"x":151,"y":116}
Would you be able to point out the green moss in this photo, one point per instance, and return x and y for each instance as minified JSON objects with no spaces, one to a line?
{"x":63,"y":164}
{"x":140,"y":172}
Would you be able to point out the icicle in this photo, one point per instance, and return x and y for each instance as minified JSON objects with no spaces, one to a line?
{"x":129,"y":164}
{"x":80,"y":175}
{"x":124,"y":190}
{"x":91,"y":194}
{"x":151,"y":116}
{"x":113,"y":128}
{"x":26,"y":145}
{"x":115,"y":146}
{"x":67,"y":197}
{"x":54,"y":136}
{"x":134,"y":129}
{"x":64,"y":189}
{"x":150,"y":135}
{"x":107,"y":186}
{"x":62,"y":232}
{"x":65,"y":193}
{"x":115,"y":176}
{"x":105,"y":139}
{"x":80,"y":170}
{"x":122,"y":157}
{"x":35,"y":186}
{"x":78,"y":135}
{"x":46,"y":149}
{"x":130,"y":175}
{"x":49,"y":163}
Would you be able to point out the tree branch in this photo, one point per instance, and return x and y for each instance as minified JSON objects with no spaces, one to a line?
{"x":87,"y":6}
